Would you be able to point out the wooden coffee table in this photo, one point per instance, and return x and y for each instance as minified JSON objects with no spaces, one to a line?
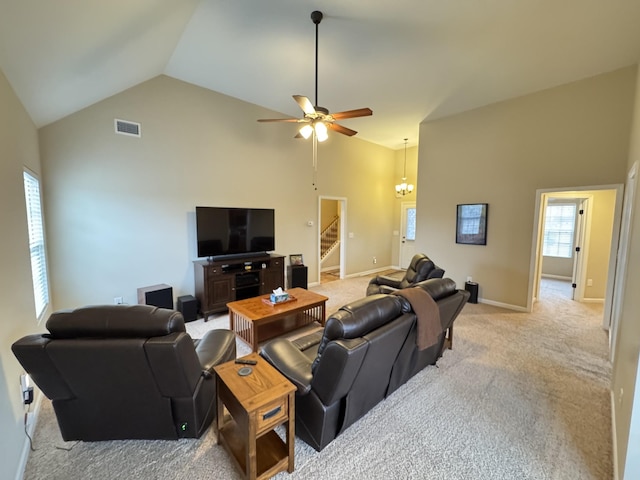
{"x":255,"y":321}
{"x":257,"y":403}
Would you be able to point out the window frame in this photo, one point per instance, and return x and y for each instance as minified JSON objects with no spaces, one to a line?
{"x":37,"y":242}
{"x":556,"y":248}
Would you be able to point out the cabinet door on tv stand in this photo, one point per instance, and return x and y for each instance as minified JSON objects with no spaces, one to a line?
{"x":273,"y":277}
{"x":221,"y":291}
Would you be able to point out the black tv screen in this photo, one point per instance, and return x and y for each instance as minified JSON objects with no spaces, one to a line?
{"x":223,"y":231}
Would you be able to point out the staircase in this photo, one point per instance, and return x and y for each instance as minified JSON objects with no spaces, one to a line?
{"x":329,"y":238}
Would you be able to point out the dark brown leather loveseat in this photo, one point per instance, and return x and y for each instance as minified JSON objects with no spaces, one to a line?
{"x":420,"y":268}
{"x":367,"y":350}
{"x":126,"y":372}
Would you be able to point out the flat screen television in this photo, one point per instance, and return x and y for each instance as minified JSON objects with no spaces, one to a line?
{"x":227,"y":232}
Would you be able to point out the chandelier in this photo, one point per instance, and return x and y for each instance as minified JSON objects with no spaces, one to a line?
{"x":404,"y":188}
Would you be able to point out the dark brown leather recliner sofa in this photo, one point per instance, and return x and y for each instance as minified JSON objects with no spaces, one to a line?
{"x":420,"y":268}
{"x":126,"y":372}
{"x":367,"y":350}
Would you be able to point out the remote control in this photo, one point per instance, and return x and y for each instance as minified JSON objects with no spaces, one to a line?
{"x":246,"y":362}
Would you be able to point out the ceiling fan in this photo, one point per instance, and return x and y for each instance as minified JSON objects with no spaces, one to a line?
{"x":317,"y":120}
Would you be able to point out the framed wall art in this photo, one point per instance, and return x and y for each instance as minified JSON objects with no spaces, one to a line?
{"x":471,"y":223}
{"x":296,"y":259}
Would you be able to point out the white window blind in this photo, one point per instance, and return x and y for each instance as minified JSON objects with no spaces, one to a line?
{"x":559,"y":228}
{"x":36,"y":243}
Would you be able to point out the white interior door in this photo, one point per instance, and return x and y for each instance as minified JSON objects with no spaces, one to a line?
{"x":621,"y":263}
{"x":408,"y":233}
{"x":577,"y":283}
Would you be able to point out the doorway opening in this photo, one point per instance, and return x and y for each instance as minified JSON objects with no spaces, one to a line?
{"x":594,"y":244}
{"x":331,"y":238}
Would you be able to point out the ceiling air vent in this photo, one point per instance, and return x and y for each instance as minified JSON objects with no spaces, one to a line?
{"x":125,"y":127}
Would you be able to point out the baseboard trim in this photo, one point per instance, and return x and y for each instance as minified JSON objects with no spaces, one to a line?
{"x":556,"y":277}
{"x":368,"y":272}
{"x":614,"y":443}
{"x":592,"y":300}
{"x":508,"y":306}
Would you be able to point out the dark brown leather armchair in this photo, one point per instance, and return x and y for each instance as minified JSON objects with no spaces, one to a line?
{"x":126,"y":372}
{"x":421,"y":268}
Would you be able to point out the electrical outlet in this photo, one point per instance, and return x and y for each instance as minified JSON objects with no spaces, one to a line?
{"x":469,"y":279}
{"x":590,"y":282}
{"x":118,"y":300}
{"x":26,"y":389}
{"x":375,"y":260}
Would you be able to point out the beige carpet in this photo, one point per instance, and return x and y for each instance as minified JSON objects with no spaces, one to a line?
{"x":521,"y":396}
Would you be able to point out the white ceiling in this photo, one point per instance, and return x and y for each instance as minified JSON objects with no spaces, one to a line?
{"x":406,"y":60}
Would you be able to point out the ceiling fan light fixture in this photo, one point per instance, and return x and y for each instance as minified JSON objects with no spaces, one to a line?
{"x":306,"y":131}
{"x":404,"y":188}
{"x":321,"y":131}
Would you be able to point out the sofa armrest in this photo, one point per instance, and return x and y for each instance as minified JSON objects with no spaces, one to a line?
{"x":388,"y":281}
{"x":289,"y":361}
{"x":216,"y":347}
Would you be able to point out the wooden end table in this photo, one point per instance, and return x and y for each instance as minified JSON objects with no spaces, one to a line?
{"x":255,"y":321}
{"x":257,"y":403}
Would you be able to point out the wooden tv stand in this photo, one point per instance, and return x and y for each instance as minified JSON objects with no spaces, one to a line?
{"x":219,"y":282}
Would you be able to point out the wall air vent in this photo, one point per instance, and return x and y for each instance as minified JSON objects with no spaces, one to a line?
{"x":125,"y":127}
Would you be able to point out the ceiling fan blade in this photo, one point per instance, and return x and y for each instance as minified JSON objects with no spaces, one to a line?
{"x":305,"y":104}
{"x":292,"y":120}
{"x":360,"y":112}
{"x":341,"y":129}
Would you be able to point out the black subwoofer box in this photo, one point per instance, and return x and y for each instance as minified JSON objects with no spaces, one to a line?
{"x":157,"y":295}
{"x":298,"y":276}
{"x":188,"y":307}
{"x":472,"y":288}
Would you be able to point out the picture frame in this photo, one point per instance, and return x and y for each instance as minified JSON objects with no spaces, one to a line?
{"x":471,"y":223}
{"x":296,"y":259}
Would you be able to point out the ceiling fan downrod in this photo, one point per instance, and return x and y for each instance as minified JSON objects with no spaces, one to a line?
{"x":316,"y":18}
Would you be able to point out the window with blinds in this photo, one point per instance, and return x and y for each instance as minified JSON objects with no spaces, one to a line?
{"x":559,"y":225}
{"x":36,"y":243}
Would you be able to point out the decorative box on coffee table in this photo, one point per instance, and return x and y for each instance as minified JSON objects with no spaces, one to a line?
{"x":257,"y":403}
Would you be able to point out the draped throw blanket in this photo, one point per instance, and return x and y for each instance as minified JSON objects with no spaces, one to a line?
{"x":427,"y":313}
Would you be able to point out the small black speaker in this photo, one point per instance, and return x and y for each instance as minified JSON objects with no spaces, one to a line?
{"x":472,"y":288}
{"x":298,"y":276}
{"x":156,"y":295}
{"x":188,"y":307}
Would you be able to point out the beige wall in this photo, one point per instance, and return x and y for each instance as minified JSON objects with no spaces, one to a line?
{"x":626,"y":395}
{"x":329,"y":209}
{"x":557,"y":267}
{"x":597,"y":265}
{"x":572,"y":135}
{"x":18,"y":149}
{"x":121,"y":209}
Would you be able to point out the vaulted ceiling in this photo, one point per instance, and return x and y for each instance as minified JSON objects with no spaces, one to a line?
{"x":408,"y":61}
